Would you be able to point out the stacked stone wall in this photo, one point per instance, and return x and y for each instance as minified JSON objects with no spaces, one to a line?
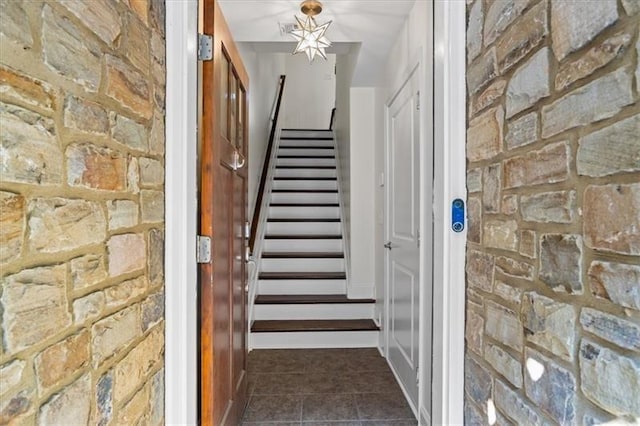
{"x":82,"y":88}
{"x":553,"y":257}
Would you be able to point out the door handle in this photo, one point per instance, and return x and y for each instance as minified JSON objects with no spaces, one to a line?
{"x":389,"y":245}
{"x":237,"y":165}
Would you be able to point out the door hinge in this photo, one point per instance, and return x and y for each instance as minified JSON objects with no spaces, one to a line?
{"x":247,"y":230}
{"x":205,"y":47}
{"x":203,"y":250}
{"x":418,"y":100}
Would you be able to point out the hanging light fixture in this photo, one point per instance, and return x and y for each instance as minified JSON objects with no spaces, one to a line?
{"x":310,"y":35}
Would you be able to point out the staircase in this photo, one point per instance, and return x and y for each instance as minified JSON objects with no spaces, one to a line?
{"x":302,"y":296}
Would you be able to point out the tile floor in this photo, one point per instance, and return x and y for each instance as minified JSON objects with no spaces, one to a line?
{"x":333,"y":387}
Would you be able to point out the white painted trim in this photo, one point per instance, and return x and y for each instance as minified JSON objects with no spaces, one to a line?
{"x":449,"y":134}
{"x":346,"y":242}
{"x":181,"y":389}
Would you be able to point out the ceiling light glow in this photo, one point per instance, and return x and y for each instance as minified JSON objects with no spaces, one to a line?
{"x":311,"y":36}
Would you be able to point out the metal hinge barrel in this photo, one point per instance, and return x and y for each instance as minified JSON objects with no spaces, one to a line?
{"x":203,"y":249}
{"x":205,"y":47}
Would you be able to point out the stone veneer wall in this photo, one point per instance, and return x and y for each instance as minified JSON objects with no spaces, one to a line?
{"x":82,"y":212}
{"x":553,"y":260}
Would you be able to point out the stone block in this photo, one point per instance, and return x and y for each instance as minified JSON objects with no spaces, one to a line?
{"x":89,"y":307}
{"x":151,"y":171}
{"x":613,"y":149}
{"x":600,"y":99}
{"x":134,"y":368}
{"x":522,"y":131}
{"x":609,"y":379}
{"x":122,"y":214}
{"x":474,"y":180}
{"x":474,"y":31}
{"x":621,"y":332}
{"x":575,"y":23}
{"x":507,"y":292}
{"x":141,"y":8}
{"x":509,"y":204}
{"x":522,"y":37}
{"x":617,"y":282}
{"x":472,"y":414}
{"x":479,"y":270}
{"x":595,"y":58}
{"x":128,"y":87}
{"x":124,"y":293}
{"x":638,"y":64}
{"x":12,"y":225}
{"x":72,"y":405}
{"x":157,"y":15}
{"x":474,"y":218}
{"x":491,"y":188}
{"x":34,"y":306}
{"x":503,"y":325}
{"x":547,"y":165}
{"x":94,"y":167}
{"x":152,"y":310}
{"x":501,"y":234}
{"x":612,"y":218}
{"x":514,"y":269}
{"x":157,"y":139}
{"x":487,"y":97}
{"x":529,"y":84}
{"x":130,"y":133}
{"x":114,"y":333}
{"x":68,"y":51}
{"x":474,"y":329}
{"x":133,"y":176}
{"x":514,"y":406}
{"x":87,"y":271}
{"x":555,"y":391}
{"x":509,"y":367}
{"x":499,"y":15}
{"x":156,"y":257}
{"x":127,"y":253}
{"x":477,"y":381}
{"x":104,"y":399}
{"x":14,"y":405}
{"x":632,"y":7}
{"x":550,"y":324}
{"x":14,"y":24}
{"x":484,"y":136}
{"x":561,"y":262}
{"x":86,"y":116}
{"x":549,"y":207}
{"x":60,"y":224}
{"x":482,"y":71}
{"x":157,"y":399}
{"x":23,"y":89}
{"x":99,"y":16}
{"x":152,"y":206}
{"x":528,"y":245}
{"x":134,"y":412}
{"x":30,"y":152}
{"x":11,"y":374}
{"x":62,"y":360}
{"x":158,"y":50}
{"x":137,"y":44}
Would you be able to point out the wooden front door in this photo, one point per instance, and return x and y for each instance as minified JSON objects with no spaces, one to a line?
{"x":223,"y":209}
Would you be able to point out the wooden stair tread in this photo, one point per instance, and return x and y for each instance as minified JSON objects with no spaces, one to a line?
{"x":302,"y":276}
{"x":306,"y":138}
{"x":306,"y":299}
{"x":299,"y":157}
{"x":305,"y":147}
{"x":302,"y":255}
{"x":265,"y":326}
{"x":303,"y":237}
{"x":304,"y":178}
{"x":303,"y":219}
{"x":307,"y":130}
{"x":306,"y":191}
{"x":304,"y":205}
{"x":307,"y":167}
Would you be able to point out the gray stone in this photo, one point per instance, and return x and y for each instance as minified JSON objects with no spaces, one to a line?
{"x":638,"y":64}
{"x":151,"y":171}
{"x":472,"y":415}
{"x":11,"y":374}
{"x":612,"y":218}
{"x":157,"y":15}
{"x":504,"y":325}
{"x":157,"y":140}
{"x":561,"y":262}
{"x":477,"y":381}
{"x":104,"y":399}
{"x":72,"y":405}
{"x":501,"y":234}
{"x":152,"y":206}
{"x":59,"y":224}
{"x":550,"y":324}
{"x":632,"y":7}
{"x":509,"y":204}
{"x":156,"y":257}
{"x":87,"y":271}
{"x":574,"y":23}
{"x":88,"y":307}
{"x":124,"y":293}
{"x":137,"y":44}
{"x":613,"y":149}
{"x":122,"y":214}
{"x":474,"y":329}
{"x":152,"y":310}
{"x":113,"y":333}
{"x":14,"y":405}
{"x":522,"y":37}
{"x":522,"y":131}
{"x":479,"y":268}
{"x":514,"y":269}
{"x":514,"y":406}
{"x":528,"y":246}
{"x":623,"y":333}
{"x":491,"y":188}
{"x":555,"y":391}
{"x":487,"y":97}
{"x":14,"y":24}
{"x":549,"y":207}
{"x":86,"y":116}
{"x":474,"y":180}
{"x":484,"y":135}
{"x":157,"y":399}
{"x":474,"y":220}
{"x":30,"y":153}
{"x":34,"y":306}
{"x":617,"y":282}
{"x":12,"y":225}
{"x":482,"y":71}
{"x":600,"y":99}
{"x":499,"y":15}
{"x":69,"y":52}
{"x":609,"y":379}
{"x":100,"y":16}
{"x":529,"y":84}
{"x":130,"y":133}
{"x":474,"y":32}
{"x":127,"y":86}
{"x":508,"y":292}
{"x":504,"y":364}
{"x":158,"y":48}
{"x":547,"y":165}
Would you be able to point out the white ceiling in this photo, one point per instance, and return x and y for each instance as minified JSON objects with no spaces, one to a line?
{"x":373,"y":23}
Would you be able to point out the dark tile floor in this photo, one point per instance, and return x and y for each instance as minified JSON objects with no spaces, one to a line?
{"x":336,"y":387}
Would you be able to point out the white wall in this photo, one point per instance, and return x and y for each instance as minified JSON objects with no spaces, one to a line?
{"x":309,"y":94}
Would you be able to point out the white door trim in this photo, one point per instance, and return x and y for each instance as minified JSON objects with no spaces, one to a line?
{"x":181,"y":328}
{"x":450,"y":166}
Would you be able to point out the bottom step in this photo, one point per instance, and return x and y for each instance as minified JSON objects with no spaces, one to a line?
{"x":314,"y":339}
{"x":264,"y":326}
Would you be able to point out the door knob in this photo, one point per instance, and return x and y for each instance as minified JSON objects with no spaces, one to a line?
{"x":389,"y":245}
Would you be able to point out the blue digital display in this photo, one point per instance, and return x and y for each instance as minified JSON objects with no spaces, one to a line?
{"x":457,"y":215}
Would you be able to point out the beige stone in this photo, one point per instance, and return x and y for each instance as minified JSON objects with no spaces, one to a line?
{"x":137,"y":46}
{"x":528,"y":243}
{"x":152,"y":206}
{"x":135,"y":411}
{"x":474,"y":330}
{"x":474,"y":180}
{"x":15,"y":87}
{"x":487,"y":97}
{"x":522,"y":37}
{"x":617,"y":282}
{"x":12,"y":225}
{"x":34,"y":306}
{"x":479,"y":268}
{"x":14,"y":23}
{"x":504,"y":325}
{"x":151,"y":171}
{"x":522,"y":131}
{"x":507,"y":292}
{"x":547,"y":165}
{"x":89,"y":307}
{"x":128,"y":87}
{"x":11,"y":374}
{"x":482,"y":71}
{"x":499,"y":15}
{"x":141,"y":8}
{"x":561,"y":262}
{"x":131,"y":133}
{"x":122,"y":214}
{"x":491,"y":195}
{"x":127,"y":253}
{"x":86,"y":116}
{"x":157,"y":139}
{"x":72,"y":405}
{"x":15,"y":406}
{"x":501,"y":234}
{"x":100,"y":16}
{"x":474,"y":218}
{"x":474,"y":31}
{"x":97,"y":168}
{"x":87,"y":271}
{"x":509,"y":204}
{"x":113,"y":333}
{"x":529,"y":83}
{"x":62,"y":359}
{"x":156,"y":257}
{"x":484,"y":136}
{"x":513,"y":268}
{"x":549,"y":207}
{"x":133,"y":176}
{"x":124,"y":293}
{"x":550,"y":324}
{"x":632,"y":7}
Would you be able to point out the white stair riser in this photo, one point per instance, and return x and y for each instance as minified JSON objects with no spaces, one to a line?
{"x":305,"y":184}
{"x":311,"y":162}
{"x":306,"y":133}
{"x":317,"y":339}
{"x":304,"y":212}
{"x":306,"y":173}
{"x":303,"y":197}
{"x":306,"y":151}
{"x":302,"y":265}
{"x":314,"y":311}
{"x":302,"y":286}
{"x":302,"y":228}
{"x":303,"y":245}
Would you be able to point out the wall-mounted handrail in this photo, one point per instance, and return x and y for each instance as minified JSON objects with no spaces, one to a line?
{"x":275,"y":112}
{"x":333,"y":118}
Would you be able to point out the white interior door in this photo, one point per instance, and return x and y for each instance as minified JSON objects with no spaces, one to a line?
{"x":403,"y":235}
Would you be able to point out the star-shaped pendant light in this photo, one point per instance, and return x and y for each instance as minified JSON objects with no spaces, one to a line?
{"x":310,"y":35}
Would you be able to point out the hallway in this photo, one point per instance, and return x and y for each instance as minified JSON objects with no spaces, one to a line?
{"x":346,"y":387}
